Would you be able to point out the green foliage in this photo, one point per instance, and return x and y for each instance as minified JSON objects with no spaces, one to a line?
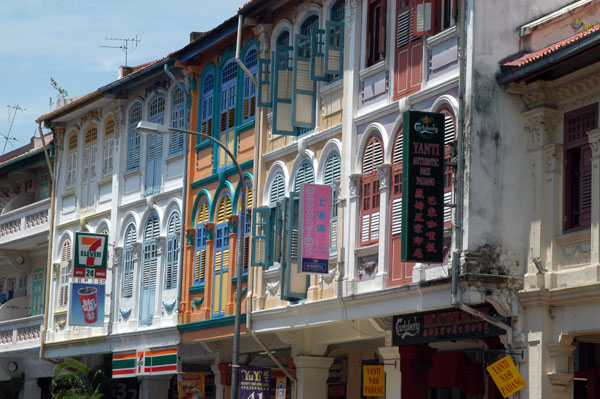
{"x":74,"y":380}
{"x":62,"y":93}
{"x":581,"y":26}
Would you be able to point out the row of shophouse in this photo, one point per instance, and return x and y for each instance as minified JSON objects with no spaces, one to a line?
{"x":305,"y":92}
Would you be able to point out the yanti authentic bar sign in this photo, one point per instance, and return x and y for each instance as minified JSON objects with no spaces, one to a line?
{"x":90,"y":255}
{"x":314,"y":221}
{"x":423,"y":187}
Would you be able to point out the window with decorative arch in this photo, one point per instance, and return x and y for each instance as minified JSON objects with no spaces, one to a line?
{"x":332,"y":173}
{"x":249,"y":94}
{"x":173,"y":246}
{"x":177,"y":121}
{"x":227,"y":111}
{"x":154,"y":146}
{"x":133,"y":137}
{"x":202,"y":217}
{"x":304,"y":175}
{"x":108,"y":147}
{"x":221,"y":275}
{"x":88,"y":181}
{"x":128,"y":262}
{"x":64,"y":274}
{"x":149,"y":269}
{"x":369,"y":208}
{"x":72,"y":161}
{"x":207,"y":107}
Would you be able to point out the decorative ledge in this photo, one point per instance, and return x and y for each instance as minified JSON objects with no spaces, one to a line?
{"x":244,"y":279}
{"x":211,"y":323}
{"x":197,"y":289}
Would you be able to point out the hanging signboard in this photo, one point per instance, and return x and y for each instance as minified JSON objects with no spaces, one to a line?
{"x":445,"y":325}
{"x":315,"y":221}
{"x":280,"y":387}
{"x":87,"y":305}
{"x":91,"y":253}
{"x":506,"y":376}
{"x":373,"y":380}
{"x":423,"y":188}
{"x":255,"y":383}
{"x":190,"y":385}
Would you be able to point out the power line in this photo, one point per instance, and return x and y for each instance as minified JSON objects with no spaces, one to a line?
{"x":7,"y":137}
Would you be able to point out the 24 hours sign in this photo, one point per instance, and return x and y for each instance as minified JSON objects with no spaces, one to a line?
{"x":91,"y":253}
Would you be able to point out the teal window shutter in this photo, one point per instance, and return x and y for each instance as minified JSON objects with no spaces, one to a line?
{"x":317,"y":59}
{"x":334,"y":48}
{"x":303,"y":87}
{"x":262,"y":236}
{"x":249,"y":89}
{"x":277,"y":246}
{"x":264,"y":82}
{"x":294,"y":285}
{"x":282,"y":91}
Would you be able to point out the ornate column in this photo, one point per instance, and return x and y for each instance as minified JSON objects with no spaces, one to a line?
{"x":312,"y":373}
{"x":384,"y":175}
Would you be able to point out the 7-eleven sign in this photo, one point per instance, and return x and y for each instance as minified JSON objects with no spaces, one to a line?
{"x":90,"y":255}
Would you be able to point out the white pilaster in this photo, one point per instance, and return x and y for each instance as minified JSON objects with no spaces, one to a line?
{"x":312,"y":373}
{"x":393,"y":377}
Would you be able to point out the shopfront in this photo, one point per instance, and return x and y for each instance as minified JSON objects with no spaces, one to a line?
{"x":443,"y":353}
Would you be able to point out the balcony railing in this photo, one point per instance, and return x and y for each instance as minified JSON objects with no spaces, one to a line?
{"x":24,"y":221}
{"x":20,"y":334}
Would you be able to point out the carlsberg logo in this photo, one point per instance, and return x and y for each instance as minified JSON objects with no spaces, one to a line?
{"x":425,"y":127}
{"x":406,"y":328}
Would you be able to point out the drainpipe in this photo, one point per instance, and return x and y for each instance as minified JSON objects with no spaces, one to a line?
{"x":184,"y":188}
{"x":238,"y":48}
{"x":50,"y":239}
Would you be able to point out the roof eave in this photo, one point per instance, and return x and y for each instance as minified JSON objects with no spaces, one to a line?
{"x":135,"y":76}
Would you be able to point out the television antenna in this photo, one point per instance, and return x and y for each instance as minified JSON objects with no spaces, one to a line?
{"x":7,"y":137}
{"x":126,"y":46}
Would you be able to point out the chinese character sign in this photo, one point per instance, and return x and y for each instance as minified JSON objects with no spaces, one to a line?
{"x":255,"y":383}
{"x":315,"y":220}
{"x":90,"y":255}
{"x":423,"y":188}
{"x":87,"y":305}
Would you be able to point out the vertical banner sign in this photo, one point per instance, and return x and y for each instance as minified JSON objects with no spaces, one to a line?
{"x":190,"y":385}
{"x":90,"y":255}
{"x":280,"y":387}
{"x":315,"y":221}
{"x":373,"y":381}
{"x":423,"y":188}
{"x":506,"y":376}
{"x":87,"y":305}
{"x":255,"y":383}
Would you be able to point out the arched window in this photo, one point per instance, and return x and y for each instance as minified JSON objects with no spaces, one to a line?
{"x":222,"y":278}
{"x":154,"y":147}
{"x":277,"y":190}
{"x":128,"y":265}
{"x":369,"y":209}
{"x":247,"y":225}
{"x":249,"y":100}
{"x":332,"y":173}
{"x":201,"y":235}
{"x":177,"y":121}
{"x":449,"y":137}
{"x":72,"y":161}
{"x":108,"y":147}
{"x":227,"y":115}
{"x":133,"y":137}
{"x":337,"y":11}
{"x":304,"y":175}
{"x":304,"y":88}
{"x":173,"y":238}
{"x":149,"y":270}
{"x":88,"y":188}
{"x":64,"y":277}
{"x":208,"y":86}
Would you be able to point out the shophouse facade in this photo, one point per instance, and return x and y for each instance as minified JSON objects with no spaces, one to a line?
{"x":25,"y":188}
{"x":113,"y":180}
{"x":223,"y":105}
{"x":553,"y":75}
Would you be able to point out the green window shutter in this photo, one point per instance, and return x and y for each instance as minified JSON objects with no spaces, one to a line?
{"x":317,"y":59}
{"x":282,"y":91}
{"x":294,"y":285}
{"x":276,"y":248}
{"x":264,"y":82}
{"x":262,"y":236}
{"x":334,"y":48}
{"x":303,"y":87}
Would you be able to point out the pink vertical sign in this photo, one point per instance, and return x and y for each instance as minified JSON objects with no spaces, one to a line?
{"x":315,"y":223}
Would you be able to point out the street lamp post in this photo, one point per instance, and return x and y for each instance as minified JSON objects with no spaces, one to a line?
{"x":154,"y":128}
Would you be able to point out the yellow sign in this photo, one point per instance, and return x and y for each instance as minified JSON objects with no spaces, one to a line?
{"x":373,"y":380}
{"x":191,"y":385}
{"x":506,"y":376}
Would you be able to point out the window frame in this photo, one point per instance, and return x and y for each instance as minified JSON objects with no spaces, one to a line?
{"x":228,"y":98}
{"x":222,"y":249}
{"x":249,"y":89}
{"x":200,"y":260}
{"x":108,"y":147}
{"x":376,"y":32}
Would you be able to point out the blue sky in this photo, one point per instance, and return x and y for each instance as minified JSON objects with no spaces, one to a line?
{"x":60,"y":39}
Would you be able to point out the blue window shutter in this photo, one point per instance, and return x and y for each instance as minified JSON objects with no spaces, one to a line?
{"x":158,"y":156}
{"x":264,"y":83}
{"x":282,"y":91}
{"x":262,"y":230}
{"x":177,"y":121}
{"x":317,"y":57}
{"x":334,"y":48}
{"x":249,"y":89}
{"x":294,"y":285}
{"x":150,"y":151}
{"x":303,"y":87}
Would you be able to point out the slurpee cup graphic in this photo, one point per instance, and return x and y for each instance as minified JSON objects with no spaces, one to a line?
{"x":88,"y":297}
